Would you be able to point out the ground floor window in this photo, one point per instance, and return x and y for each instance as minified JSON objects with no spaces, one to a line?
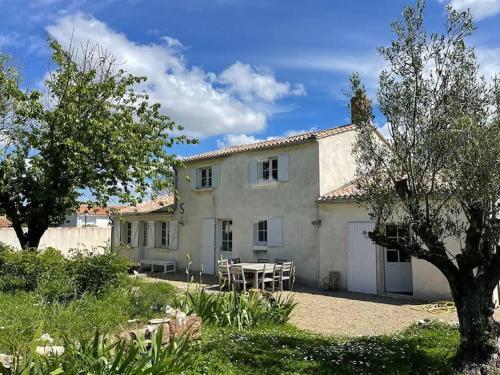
{"x":227,"y":235}
{"x":260,"y":230}
{"x":164,"y":234}
{"x":129,"y":233}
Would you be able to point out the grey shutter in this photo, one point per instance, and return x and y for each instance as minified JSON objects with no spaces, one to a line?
{"x":193,"y":177}
{"x":283,"y":167}
{"x":255,"y":232}
{"x":151,"y":234}
{"x":123,"y":232}
{"x":275,"y":232}
{"x":218,"y":234}
{"x":173,"y":234}
{"x":157,"y":234}
{"x":252,"y":172}
{"x":215,"y":176}
{"x":135,"y":233}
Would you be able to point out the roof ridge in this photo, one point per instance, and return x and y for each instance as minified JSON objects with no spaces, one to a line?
{"x":270,"y":143}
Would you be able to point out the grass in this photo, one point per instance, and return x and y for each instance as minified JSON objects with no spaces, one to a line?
{"x":22,"y":312}
{"x":269,"y":349}
{"x":287,"y":350}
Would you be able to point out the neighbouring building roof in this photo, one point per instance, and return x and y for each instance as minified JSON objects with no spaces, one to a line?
{"x":345,"y":192}
{"x":4,"y":222}
{"x":163,"y":204}
{"x":275,"y":143}
{"x":89,"y":210}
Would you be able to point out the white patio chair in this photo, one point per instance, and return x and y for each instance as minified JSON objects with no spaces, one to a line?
{"x":268,"y":276}
{"x":238,"y":278}
{"x":224,"y":274}
{"x":287,"y":273}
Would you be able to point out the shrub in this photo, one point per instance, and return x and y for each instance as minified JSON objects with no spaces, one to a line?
{"x":149,"y":299}
{"x":239,"y":310}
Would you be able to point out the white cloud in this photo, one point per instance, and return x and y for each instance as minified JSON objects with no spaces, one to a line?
{"x":244,"y":139}
{"x":192,"y":97}
{"x":479,"y":8}
{"x":250,"y":82}
{"x":489,"y":61}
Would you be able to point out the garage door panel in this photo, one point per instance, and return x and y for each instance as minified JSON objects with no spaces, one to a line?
{"x":361,"y":259}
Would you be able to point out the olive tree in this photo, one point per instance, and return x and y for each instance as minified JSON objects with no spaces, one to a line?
{"x":89,"y":131}
{"x":438,"y":175}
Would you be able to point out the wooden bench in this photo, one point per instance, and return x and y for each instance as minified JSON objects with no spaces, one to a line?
{"x":168,"y":265}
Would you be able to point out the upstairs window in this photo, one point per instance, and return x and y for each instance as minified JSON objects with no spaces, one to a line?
{"x":267,"y":170}
{"x":205,"y":177}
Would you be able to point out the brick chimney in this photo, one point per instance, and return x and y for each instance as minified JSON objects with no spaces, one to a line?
{"x":361,"y":108}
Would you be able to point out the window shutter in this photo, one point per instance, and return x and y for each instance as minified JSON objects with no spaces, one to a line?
{"x":116,"y":233}
{"x":255,"y":232}
{"x":275,"y":232}
{"x":252,"y":172}
{"x":151,"y":234}
{"x":283,"y":167}
{"x":157,"y":234}
{"x":173,"y":230}
{"x":123,"y":232}
{"x":194,"y":177}
{"x":215,"y":176}
{"x":135,"y":233}
{"x":218,"y":234}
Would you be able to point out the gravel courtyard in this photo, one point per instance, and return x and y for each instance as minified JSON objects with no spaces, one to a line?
{"x":345,"y":313}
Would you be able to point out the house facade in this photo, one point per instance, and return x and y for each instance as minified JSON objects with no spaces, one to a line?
{"x":86,"y":216}
{"x":290,"y":198}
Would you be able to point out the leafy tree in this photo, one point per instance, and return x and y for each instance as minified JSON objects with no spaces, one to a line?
{"x":91,"y":131}
{"x":438,"y":176}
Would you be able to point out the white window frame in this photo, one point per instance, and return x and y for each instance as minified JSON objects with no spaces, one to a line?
{"x":264,"y":232}
{"x":397,"y":236}
{"x":269,"y":166}
{"x":226,"y":244}
{"x":128,"y":233}
{"x":164,"y":237}
{"x":209,"y":178}
{"x":145,"y":228}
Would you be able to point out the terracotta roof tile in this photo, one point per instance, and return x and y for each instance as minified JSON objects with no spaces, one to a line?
{"x":86,"y":209}
{"x":345,"y":192}
{"x":4,"y":222}
{"x":275,"y":143}
{"x":163,"y":204}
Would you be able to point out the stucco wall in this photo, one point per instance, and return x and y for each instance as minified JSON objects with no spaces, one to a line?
{"x":428,"y":282}
{"x":336,"y":162}
{"x":65,"y":239}
{"x":236,"y":199}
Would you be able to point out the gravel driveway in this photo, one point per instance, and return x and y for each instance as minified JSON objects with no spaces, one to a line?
{"x":345,"y":313}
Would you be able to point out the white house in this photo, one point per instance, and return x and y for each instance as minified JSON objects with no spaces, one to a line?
{"x":87,"y":216}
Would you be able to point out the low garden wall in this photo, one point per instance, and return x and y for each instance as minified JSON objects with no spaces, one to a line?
{"x":65,"y":239}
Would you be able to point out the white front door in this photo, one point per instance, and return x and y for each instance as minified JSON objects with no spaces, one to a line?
{"x":361,"y":259}
{"x":397,"y":272}
{"x":207,"y":246}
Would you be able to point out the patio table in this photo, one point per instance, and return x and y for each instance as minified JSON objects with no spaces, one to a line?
{"x":256,"y":269}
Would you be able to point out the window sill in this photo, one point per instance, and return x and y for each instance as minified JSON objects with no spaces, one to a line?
{"x":203,"y":189}
{"x":260,"y":248}
{"x":267,"y":183}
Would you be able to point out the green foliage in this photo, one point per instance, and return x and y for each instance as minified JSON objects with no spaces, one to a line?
{"x":93,"y":130}
{"x":238,"y":310}
{"x":100,"y":355}
{"x":95,"y":273}
{"x":21,"y":313}
{"x":56,"y":278}
{"x":287,"y":350}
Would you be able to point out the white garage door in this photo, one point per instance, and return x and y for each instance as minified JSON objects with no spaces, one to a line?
{"x":361,"y":259}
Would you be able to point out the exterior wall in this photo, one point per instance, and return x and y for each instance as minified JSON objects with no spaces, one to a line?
{"x":243,"y":203}
{"x":336,"y":163}
{"x":65,"y":239}
{"x":428,"y":282}
{"x":91,"y":221}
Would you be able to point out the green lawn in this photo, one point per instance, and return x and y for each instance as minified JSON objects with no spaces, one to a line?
{"x":287,"y":350}
{"x":278,"y":349}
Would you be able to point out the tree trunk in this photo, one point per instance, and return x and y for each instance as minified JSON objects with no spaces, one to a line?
{"x":479,"y":333}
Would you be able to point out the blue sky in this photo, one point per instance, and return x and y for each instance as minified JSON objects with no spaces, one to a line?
{"x":235,"y":71}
